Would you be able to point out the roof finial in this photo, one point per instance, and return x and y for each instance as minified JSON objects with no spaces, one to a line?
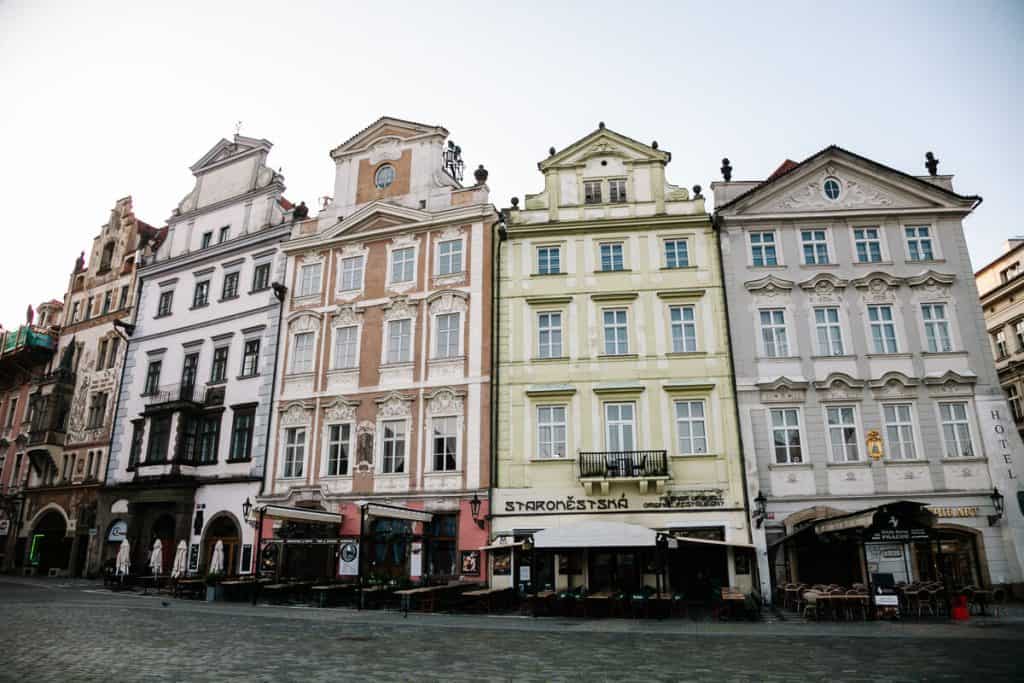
{"x":238,"y":127}
{"x":726,"y":170}
{"x":600,"y":124}
{"x":654,"y":145}
{"x":696,"y":192}
{"x":931,"y":163}
{"x":551,"y":151}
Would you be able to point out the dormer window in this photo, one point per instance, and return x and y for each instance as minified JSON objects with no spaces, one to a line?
{"x":106,"y":257}
{"x":617,"y":190}
{"x":384,"y":177}
{"x":592,"y":192}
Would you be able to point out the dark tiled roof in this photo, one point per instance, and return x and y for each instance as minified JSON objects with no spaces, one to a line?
{"x":785,"y":167}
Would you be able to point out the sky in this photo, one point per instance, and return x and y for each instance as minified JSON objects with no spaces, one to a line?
{"x":99,"y":100}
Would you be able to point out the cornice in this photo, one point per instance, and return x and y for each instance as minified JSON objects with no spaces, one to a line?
{"x":215,"y":253}
{"x":632,"y":223}
{"x":266,"y":189}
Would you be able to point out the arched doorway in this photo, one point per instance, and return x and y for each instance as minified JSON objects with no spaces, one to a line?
{"x":222,"y":528}
{"x":50,"y":546}
{"x":163,"y":528}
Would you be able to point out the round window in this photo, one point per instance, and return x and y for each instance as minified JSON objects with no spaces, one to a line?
{"x":385,"y":176}
{"x":832,"y":188}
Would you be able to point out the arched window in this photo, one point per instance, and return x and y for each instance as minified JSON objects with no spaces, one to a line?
{"x":107,"y":256}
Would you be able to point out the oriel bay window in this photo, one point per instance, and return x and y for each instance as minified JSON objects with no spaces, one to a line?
{"x":159,"y":439}
{"x":400,"y":341}
{"x":294,"y":451}
{"x":138,"y":432}
{"x":842,"y":433}
{"x":786,"y":436}
{"x":393,"y":447}
{"x":338,"y":440}
{"x":445,"y":443}
{"x":241,"y":433}
{"x":551,"y":431}
{"x":209,"y":436}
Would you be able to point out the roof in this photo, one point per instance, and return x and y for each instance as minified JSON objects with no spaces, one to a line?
{"x":601,"y":129}
{"x":782,"y":172}
{"x":999,"y":258}
{"x":150,"y":234}
{"x":395,"y":120}
{"x":285,"y":204}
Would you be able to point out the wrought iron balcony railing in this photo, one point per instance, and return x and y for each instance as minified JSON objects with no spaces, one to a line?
{"x":623,"y":464}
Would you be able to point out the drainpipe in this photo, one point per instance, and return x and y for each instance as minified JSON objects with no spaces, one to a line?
{"x":279,"y":293}
{"x":502,"y":234}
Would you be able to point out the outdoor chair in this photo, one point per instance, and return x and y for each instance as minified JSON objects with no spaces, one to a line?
{"x":856,"y":607}
{"x":998,"y":602}
{"x":810,"y":605}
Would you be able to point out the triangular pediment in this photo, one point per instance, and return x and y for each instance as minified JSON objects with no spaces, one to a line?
{"x":376,"y":216}
{"x":840,"y":181}
{"x":386,"y":127}
{"x":229,"y":150}
{"x":604,"y":142}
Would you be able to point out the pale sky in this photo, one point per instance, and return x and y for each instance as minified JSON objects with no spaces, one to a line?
{"x":99,"y":100}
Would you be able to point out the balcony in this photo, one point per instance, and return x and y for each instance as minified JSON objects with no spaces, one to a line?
{"x":184,"y":396}
{"x":604,"y":467}
{"x":25,"y":347}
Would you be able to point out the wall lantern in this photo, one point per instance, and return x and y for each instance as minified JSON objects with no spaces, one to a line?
{"x":760,"y":509}
{"x":997,"y":503}
{"x":474,"y":509}
{"x":246,"y":508}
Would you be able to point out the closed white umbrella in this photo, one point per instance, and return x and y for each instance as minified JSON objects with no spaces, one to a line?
{"x":123,"y":564}
{"x":217,"y":561}
{"x":156,"y":558}
{"x":178,"y":568}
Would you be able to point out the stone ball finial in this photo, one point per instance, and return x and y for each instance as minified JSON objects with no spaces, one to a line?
{"x":551,"y":151}
{"x":726,"y":170}
{"x":480,"y":174}
{"x":696,"y":192}
{"x":515,"y":202}
{"x":600,"y":124}
{"x":931,"y":163}
{"x":654,"y":145}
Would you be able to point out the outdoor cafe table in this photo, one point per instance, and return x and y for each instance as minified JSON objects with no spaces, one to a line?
{"x":834,"y":602}
{"x":192,"y":587}
{"x":486,"y":595}
{"x":324,"y":592}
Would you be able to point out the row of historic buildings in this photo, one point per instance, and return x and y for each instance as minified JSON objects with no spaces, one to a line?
{"x":603,"y":385}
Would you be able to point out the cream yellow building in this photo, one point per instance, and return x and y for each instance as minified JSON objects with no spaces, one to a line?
{"x":618,"y":457}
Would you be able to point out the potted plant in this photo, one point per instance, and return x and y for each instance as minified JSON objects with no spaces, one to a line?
{"x":214,"y":591}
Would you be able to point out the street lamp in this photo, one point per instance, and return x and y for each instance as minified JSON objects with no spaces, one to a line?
{"x":474,"y":509}
{"x":246,"y":508}
{"x":760,"y":509}
{"x":997,"y":503}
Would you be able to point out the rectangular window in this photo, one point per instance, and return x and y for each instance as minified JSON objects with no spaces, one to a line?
{"x":1000,"y":341}
{"x":786,"y":436}
{"x":138,"y":427}
{"x":549,"y":260}
{"x":209,"y":436}
{"x":551,"y":431}
{"x":842,"y":433}
{"x":251,"y":358}
{"x":230,"y":290}
{"x":159,"y":438}
{"x":449,"y":257}
{"x":677,"y":254}
{"x":1013,"y":396}
{"x":97,"y":410}
{"x":189,"y":375}
{"x":75,"y":308}
{"x":445,"y":443}
{"x":302,"y":353}
{"x":115,"y":344}
{"x":762,"y":249}
{"x":261,"y":277}
{"x":919,"y":243}
{"x":122,"y":301}
{"x":1007,"y":274}
{"x":815,"y":247}
{"x":773,"y":333}
{"x":549,"y":335}
{"x":294,"y":451}
{"x":447,"y":336}
{"x":201,"y":296}
{"x":684,"y":329}
{"x":617,"y":191}
{"x":403,"y":264}
{"x":592,"y":192}
{"x":936,"y":328}
{"x":883,"y":329}
{"x":899,"y":431}
{"x":241,"y":434}
{"x":219,"y":368}
{"x":337,"y":449}
{"x":611,"y":257}
{"x":620,"y":427}
{"x":352,"y":274}
{"x":956,"y":430}
{"x":309,"y":279}
{"x":224,"y":233}
{"x":101,"y":354}
{"x":164,"y":307}
{"x":207,"y":239}
{"x":690,"y":427}
{"x":108,"y":300}
{"x":868,"y":245}
{"x":616,"y":333}
{"x":346,"y":342}
{"x":12,"y":407}
{"x":393,"y":453}
{"x":828,"y":331}
{"x":1018,"y":331}
{"x":152,"y":377}
{"x":400,"y":341}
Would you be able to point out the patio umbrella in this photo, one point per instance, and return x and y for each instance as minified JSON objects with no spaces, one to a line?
{"x":178,"y":568}
{"x":122,"y":566}
{"x":217,"y":561}
{"x":156,"y":558}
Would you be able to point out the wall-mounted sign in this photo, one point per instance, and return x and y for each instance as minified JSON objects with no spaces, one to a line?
{"x":874,"y":442}
{"x":118,"y":531}
{"x":246,"y":558}
{"x":348,"y":558}
{"x":471,"y":562}
{"x":193,"y":558}
{"x":964,"y":511}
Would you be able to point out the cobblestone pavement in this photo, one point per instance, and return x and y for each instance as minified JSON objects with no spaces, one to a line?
{"x":76,"y":631}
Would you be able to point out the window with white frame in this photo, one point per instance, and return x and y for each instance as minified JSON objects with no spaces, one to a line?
{"x":351,"y":273}
{"x":690,"y":428}
{"x":346,"y":346}
{"x":899,"y":431}
{"x":400,"y":341}
{"x":549,"y":334}
{"x":883,"y":329}
{"x":592,"y":192}
{"x":1018,"y":331}
{"x":677,"y":253}
{"x":551,"y":431}
{"x":684,"y":329}
{"x":549,"y":260}
{"x":445,"y":443}
{"x":868,"y":245}
{"x":338,"y":444}
{"x":302,"y":352}
{"x":773,"y":333}
{"x":449,"y":257}
{"x":956,"y":430}
{"x":842,"y":433}
{"x":786,"y":436}
{"x":447,"y":345}
{"x":919,"y":243}
{"x":936,"y":328}
{"x":762,"y":248}
{"x":828,"y":331}
{"x":393,"y":447}
{"x":1000,"y":341}
{"x":294,"y":451}
{"x":403,"y":264}
{"x":617,"y":190}
{"x":309,"y":279}
{"x":620,"y":427}
{"x":616,"y":332}
{"x":1013,"y":396}
{"x":815,"y":247}
{"x":611,"y":256}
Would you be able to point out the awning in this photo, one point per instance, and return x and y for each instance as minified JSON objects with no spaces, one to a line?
{"x":704,"y":541}
{"x":300,"y":514}
{"x":501,"y":546}
{"x":396,"y":512}
{"x":860,"y":520}
{"x":595,"y":535}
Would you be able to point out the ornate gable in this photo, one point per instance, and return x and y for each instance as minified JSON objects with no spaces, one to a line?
{"x":229,"y":150}
{"x":604,"y":142}
{"x":377,"y":215}
{"x":384,"y":130}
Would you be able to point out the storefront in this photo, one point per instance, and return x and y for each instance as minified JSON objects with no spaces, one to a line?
{"x":301,"y":543}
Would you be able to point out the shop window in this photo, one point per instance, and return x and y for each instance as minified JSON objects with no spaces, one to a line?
{"x":442,"y":543}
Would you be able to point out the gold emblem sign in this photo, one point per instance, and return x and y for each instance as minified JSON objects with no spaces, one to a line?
{"x":875,"y":449}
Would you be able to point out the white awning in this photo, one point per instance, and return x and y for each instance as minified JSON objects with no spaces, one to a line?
{"x":595,"y":535}
{"x":501,"y":546}
{"x":861,"y":520}
{"x":301,"y":514}
{"x":395,"y":512}
{"x":704,"y":541}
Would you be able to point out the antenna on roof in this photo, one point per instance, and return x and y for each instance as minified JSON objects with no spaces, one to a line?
{"x":238,"y":127}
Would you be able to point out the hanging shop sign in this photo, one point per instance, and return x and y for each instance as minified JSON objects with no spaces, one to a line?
{"x":874,"y":443}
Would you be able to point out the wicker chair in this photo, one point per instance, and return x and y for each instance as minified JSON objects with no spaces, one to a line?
{"x":810,"y":604}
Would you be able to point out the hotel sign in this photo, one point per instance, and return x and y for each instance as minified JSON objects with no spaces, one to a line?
{"x":965,"y":511}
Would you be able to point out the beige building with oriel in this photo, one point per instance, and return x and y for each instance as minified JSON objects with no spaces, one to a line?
{"x":618,"y":460}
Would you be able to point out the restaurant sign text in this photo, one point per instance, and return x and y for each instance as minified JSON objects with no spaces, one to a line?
{"x":673,"y":500}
